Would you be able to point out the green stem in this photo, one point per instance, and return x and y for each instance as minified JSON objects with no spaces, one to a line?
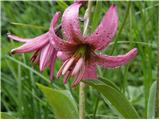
{"x":82,"y":85}
{"x":82,"y":100}
{"x":87,"y":16}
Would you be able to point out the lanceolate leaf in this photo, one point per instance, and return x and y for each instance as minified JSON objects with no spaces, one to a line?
{"x":117,"y":99}
{"x":152,"y":101}
{"x":61,"y":101}
{"x":108,"y":82}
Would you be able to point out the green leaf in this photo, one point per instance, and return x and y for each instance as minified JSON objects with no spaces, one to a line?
{"x":152,"y":101}
{"x":117,"y":99}
{"x":61,"y":101}
{"x":108,"y":82}
{"x":7,"y":115}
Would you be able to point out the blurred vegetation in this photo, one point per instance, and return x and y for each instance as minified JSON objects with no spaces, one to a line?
{"x":138,"y":27}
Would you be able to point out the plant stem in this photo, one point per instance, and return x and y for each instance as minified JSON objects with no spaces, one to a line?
{"x":157,"y":101}
{"x":86,"y":17}
{"x":82,"y":85}
{"x":82,"y":100}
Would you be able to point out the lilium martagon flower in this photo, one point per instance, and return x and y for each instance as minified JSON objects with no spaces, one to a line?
{"x":78,"y":52}
{"x":44,"y":52}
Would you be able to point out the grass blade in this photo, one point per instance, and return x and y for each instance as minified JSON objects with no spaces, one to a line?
{"x":152,"y":101}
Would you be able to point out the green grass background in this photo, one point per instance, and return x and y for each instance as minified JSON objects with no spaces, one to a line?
{"x":138,"y":27}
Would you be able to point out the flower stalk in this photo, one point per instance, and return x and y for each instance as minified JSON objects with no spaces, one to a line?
{"x":82,"y":85}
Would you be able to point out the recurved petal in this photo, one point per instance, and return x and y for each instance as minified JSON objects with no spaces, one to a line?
{"x":54,"y":20}
{"x":56,"y":41}
{"x":19,"y":39}
{"x":116,"y":61}
{"x":105,"y":31}
{"x":70,"y":23}
{"x":90,"y":72}
{"x":14,"y":37}
{"x":32,"y":45}
{"x":46,"y":55}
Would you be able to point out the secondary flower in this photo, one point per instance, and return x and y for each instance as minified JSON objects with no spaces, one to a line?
{"x":78,"y":52}
{"x":44,"y":52}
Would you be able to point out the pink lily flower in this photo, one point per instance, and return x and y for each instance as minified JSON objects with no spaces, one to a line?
{"x":44,"y":52}
{"x":78,"y":52}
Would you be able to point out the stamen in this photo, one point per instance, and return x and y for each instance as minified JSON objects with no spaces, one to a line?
{"x":36,"y":61}
{"x":34,"y":56}
{"x":67,"y":66}
{"x":66,"y":76}
{"x":59,"y":73}
{"x":78,"y":66}
{"x":79,"y":77}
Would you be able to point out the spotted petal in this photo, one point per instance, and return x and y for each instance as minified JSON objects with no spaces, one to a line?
{"x":105,"y":31}
{"x":56,"y":41}
{"x":59,"y":43}
{"x":54,"y":20}
{"x":116,"y":61}
{"x":70,"y":23}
